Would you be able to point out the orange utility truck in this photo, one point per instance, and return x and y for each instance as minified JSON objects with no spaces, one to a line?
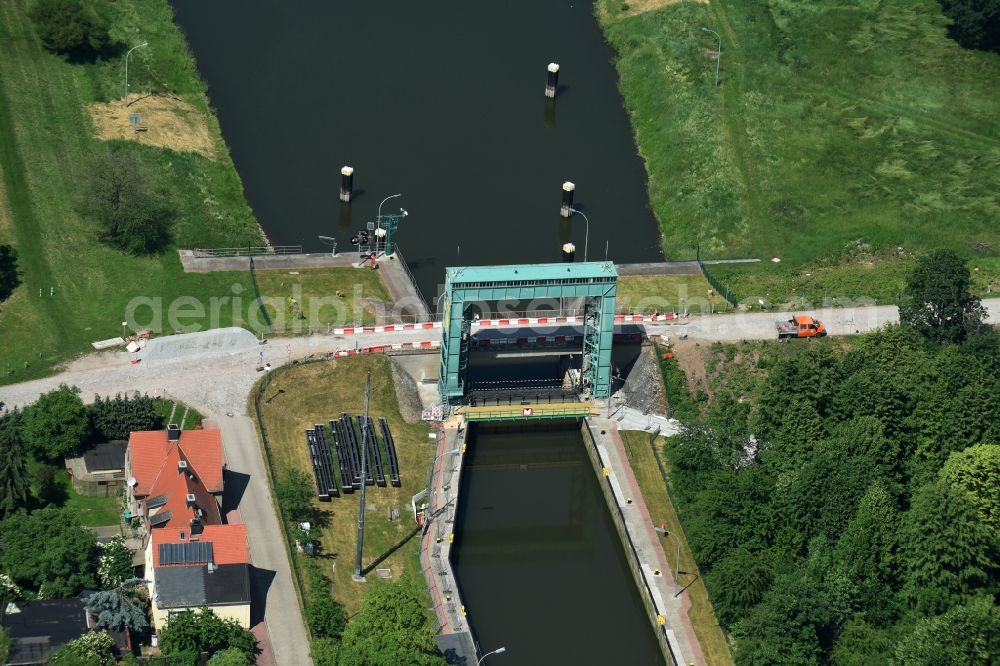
{"x":800,"y":326}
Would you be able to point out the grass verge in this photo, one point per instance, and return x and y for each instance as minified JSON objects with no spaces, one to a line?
{"x":648,"y":467}
{"x":302,"y":396}
{"x":667,"y":293}
{"x":835,"y":126}
{"x":320,"y":297}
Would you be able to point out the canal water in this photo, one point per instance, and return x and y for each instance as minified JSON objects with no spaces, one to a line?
{"x":442,"y":102}
{"x":541,"y":568}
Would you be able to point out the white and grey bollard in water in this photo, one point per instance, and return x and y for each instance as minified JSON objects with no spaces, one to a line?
{"x":346,"y":183}
{"x":569,"y":252}
{"x":567,"y":199}
{"x":552,"y":80}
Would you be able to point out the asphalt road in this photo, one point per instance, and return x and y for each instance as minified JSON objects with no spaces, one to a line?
{"x":214,"y":373}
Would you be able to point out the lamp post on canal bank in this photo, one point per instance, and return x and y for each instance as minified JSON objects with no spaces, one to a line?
{"x":718,"y":55}
{"x":677,"y":556}
{"x":586,"y":237}
{"x":140,"y":46}
{"x":499,"y":650}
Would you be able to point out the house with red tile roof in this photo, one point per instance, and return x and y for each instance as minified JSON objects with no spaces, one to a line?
{"x":191,"y":571}
{"x":193,"y":559}
{"x":175,"y":477}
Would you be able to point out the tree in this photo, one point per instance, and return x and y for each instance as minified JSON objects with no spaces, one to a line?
{"x":738,"y":582}
{"x":192,"y":633}
{"x":133,"y":216}
{"x":13,"y":465}
{"x":69,"y":28}
{"x":797,"y":621}
{"x":231,"y":657}
{"x":860,"y":644}
{"x":4,"y":645}
{"x":57,"y":424}
{"x":324,"y":651}
{"x":967,"y":635}
{"x":48,"y":548}
{"x":115,"y":563}
{"x":866,"y":553}
{"x":115,"y":418}
{"x":389,"y":628}
{"x":975,"y":24}
{"x":976,"y":471}
{"x":947,"y":554}
{"x":325,"y":617}
{"x":9,"y":275}
{"x":939,"y":303}
{"x":294,"y":492}
{"x":120,"y":607}
{"x":94,"y":648}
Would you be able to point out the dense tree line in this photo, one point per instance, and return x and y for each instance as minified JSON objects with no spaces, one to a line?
{"x":975,"y":24}
{"x":843,"y":499}
{"x":845,"y":506}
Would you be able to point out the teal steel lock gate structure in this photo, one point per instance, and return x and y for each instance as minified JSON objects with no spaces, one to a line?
{"x":594,"y":282}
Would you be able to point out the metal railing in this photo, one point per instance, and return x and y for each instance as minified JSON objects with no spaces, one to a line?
{"x":248,"y":251}
{"x":413,"y":281}
{"x":718,"y":286}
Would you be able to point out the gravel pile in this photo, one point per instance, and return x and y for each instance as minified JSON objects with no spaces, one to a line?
{"x":643,"y":388}
{"x":186,"y":344}
{"x":406,"y":393}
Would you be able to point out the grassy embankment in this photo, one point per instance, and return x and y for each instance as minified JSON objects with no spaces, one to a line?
{"x":667,"y":293}
{"x":643,"y":457}
{"x":75,"y":290}
{"x":833,"y":124}
{"x":301,"y":397}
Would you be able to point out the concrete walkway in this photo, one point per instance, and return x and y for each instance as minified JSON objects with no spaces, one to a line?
{"x":455,"y":635}
{"x":656,"y":572}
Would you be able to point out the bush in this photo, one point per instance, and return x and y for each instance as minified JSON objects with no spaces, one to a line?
{"x":69,"y":28}
{"x":191,"y":633}
{"x":9,"y":276}
{"x":57,"y":424}
{"x":114,"y":418}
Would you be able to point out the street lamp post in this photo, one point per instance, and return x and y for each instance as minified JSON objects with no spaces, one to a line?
{"x":718,"y":55}
{"x":586,"y":237}
{"x":677,"y":557}
{"x":140,"y":46}
{"x":499,"y":650}
{"x":430,"y":479}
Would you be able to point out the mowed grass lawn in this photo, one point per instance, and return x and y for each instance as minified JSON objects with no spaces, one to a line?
{"x":667,"y":293}
{"x":654,"y":492}
{"x":76,"y":290}
{"x":834,"y":123}
{"x":309,"y":297}
{"x":314,"y":393}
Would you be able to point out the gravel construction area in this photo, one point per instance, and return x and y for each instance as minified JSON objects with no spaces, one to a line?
{"x":406,"y":392}
{"x":643,"y":388}
{"x":170,"y":347}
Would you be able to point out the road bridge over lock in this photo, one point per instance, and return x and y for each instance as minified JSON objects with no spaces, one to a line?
{"x":469,"y":290}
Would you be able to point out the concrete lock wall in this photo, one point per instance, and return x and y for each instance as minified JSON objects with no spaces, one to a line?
{"x":626,"y":541}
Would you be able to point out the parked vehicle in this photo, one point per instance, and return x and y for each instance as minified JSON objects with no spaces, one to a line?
{"x":800,"y":326}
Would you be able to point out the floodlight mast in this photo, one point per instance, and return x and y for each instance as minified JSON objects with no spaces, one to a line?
{"x":358,"y":577}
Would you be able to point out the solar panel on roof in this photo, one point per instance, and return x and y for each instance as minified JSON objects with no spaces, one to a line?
{"x":154,"y":502}
{"x":160,"y":518}
{"x":193,"y":552}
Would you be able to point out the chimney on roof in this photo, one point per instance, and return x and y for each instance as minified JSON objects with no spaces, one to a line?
{"x":173,"y":433}
{"x":182,"y":465}
{"x":191,"y":499}
{"x":196,"y":527}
